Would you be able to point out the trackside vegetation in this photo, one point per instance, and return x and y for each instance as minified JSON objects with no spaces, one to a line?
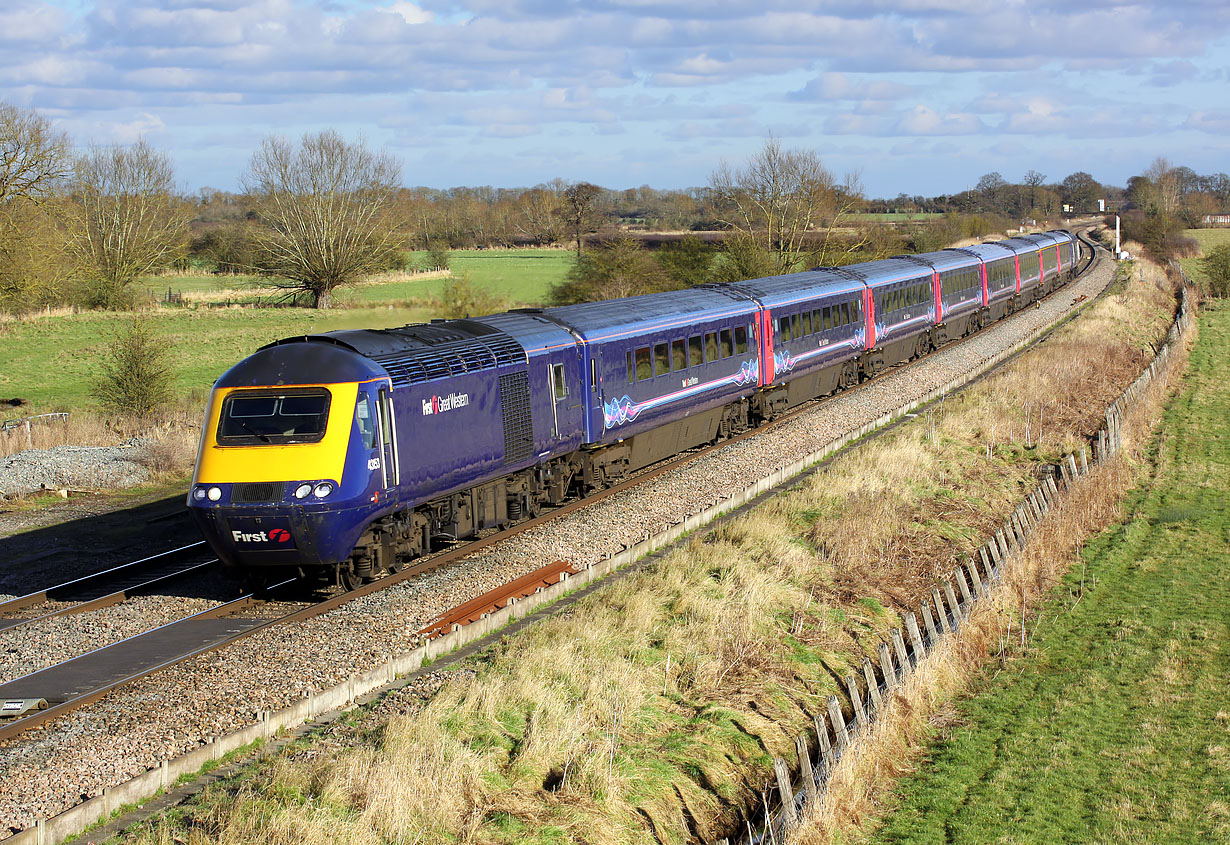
{"x":652,"y":709}
{"x":1115,"y":724}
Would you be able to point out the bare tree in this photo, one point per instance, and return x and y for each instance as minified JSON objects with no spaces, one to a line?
{"x":125,"y":219}
{"x":541,"y":215}
{"x":1167,"y":185}
{"x":1033,"y":180}
{"x":34,"y":158}
{"x":325,"y":208}
{"x":580,"y":197}
{"x":781,"y":199}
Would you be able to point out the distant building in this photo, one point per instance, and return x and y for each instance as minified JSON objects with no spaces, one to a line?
{"x":1217,"y":219}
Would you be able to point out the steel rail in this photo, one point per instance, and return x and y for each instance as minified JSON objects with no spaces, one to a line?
{"x":49,"y":594}
{"x":113,"y":598}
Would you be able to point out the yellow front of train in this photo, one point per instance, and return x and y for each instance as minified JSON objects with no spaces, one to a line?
{"x":287,"y":467}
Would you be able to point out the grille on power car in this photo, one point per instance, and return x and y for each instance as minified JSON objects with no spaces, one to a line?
{"x":518,"y":424}
{"x":262,"y":491}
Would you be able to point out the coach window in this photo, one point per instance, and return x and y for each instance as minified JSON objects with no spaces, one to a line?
{"x":845,"y":313}
{"x":855,"y":311}
{"x":740,"y":340}
{"x":644,"y":364}
{"x":696,"y":352}
{"x":806,"y":323}
{"x":661,"y":359}
{"x":711,"y":347}
{"x":797,"y":322}
{"x":679,"y":354}
{"x":817,"y":320}
{"x":784,"y":322}
{"x":728,"y":345}
{"x":557,"y":379}
{"x":631,"y":368}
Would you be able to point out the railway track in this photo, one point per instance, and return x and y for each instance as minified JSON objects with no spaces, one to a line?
{"x":60,"y":689}
{"x":108,"y":587}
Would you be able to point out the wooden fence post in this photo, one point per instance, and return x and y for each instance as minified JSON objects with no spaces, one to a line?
{"x":965,"y":596}
{"x":987,"y":565}
{"x":929,"y":621}
{"x":822,"y":736}
{"x":856,"y":701}
{"x":786,"y":791}
{"x":902,"y":657}
{"x":911,"y":625}
{"x":939,"y":609}
{"x":953,"y":604}
{"x":976,"y":584}
{"x":839,"y":723}
{"x":809,"y":776}
{"x":886,"y":666}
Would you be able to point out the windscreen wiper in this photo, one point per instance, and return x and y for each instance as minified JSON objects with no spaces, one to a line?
{"x":255,"y":433}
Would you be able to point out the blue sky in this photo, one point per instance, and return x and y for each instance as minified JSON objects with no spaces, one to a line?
{"x":917,"y":96}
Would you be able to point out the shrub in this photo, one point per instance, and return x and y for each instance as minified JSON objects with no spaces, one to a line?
{"x":462,"y":298}
{"x":438,"y":255}
{"x":1216,"y":266}
{"x":136,"y":376}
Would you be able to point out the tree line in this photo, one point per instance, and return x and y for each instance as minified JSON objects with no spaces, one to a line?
{"x":82,"y":226}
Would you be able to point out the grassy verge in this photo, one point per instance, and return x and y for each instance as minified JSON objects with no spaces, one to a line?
{"x":652,"y":710}
{"x":1114,"y":725}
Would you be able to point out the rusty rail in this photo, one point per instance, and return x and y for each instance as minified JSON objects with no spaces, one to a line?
{"x":499,"y":598}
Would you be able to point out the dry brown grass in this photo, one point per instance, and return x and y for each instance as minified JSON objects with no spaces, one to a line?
{"x":171,"y":443}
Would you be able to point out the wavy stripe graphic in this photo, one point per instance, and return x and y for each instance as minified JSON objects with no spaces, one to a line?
{"x":624,"y":410}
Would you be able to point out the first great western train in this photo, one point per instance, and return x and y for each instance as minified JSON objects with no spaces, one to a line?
{"x":348,"y":454}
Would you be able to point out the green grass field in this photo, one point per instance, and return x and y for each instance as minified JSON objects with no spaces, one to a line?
{"x":895,"y":217}
{"x":1116,"y":726}
{"x":522,"y":276}
{"x":53,"y":361}
{"x":1208,"y":238}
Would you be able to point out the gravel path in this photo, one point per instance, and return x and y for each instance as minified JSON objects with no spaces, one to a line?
{"x":75,"y":468}
{"x":134,"y":728}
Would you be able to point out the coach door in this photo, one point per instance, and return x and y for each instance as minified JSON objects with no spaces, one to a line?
{"x":567,"y":396}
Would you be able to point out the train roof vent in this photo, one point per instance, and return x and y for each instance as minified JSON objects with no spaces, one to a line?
{"x":452,"y":358}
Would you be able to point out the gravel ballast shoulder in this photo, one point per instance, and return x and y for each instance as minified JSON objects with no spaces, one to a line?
{"x":75,"y":468}
{"x":133,"y":729}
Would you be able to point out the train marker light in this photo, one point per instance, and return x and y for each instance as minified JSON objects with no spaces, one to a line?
{"x":323,"y":489}
{"x":302,"y":490}
{"x":215,"y":493}
{"x":199,"y":494}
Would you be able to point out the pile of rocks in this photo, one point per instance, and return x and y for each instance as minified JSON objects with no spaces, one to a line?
{"x":75,"y":468}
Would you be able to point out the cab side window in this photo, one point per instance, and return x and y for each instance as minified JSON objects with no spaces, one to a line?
{"x":364,"y":420}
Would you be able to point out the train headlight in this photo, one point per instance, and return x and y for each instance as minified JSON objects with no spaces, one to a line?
{"x":215,"y":493}
{"x":302,"y":490}
{"x":323,"y":489}
{"x":199,"y":494}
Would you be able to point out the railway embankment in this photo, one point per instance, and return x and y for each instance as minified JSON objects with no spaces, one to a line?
{"x":1111,"y":724}
{"x":654,"y":707}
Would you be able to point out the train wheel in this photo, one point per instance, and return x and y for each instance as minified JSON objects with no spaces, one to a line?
{"x":849,"y":375}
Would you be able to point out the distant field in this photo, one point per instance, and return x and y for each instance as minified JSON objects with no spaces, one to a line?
{"x":53,"y":361}
{"x":1209,"y":238}
{"x":895,"y":217}
{"x":1116,"y":726}
{"x":523,"y":276}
